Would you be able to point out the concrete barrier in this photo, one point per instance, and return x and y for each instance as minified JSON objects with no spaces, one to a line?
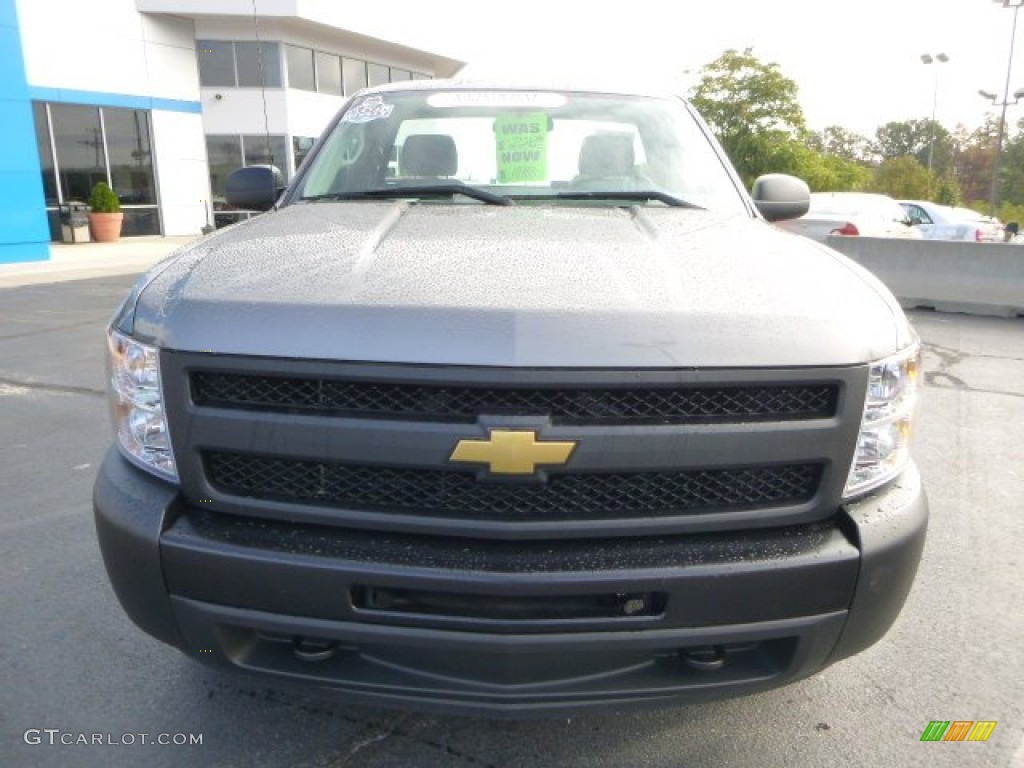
{"x":976,"y":278}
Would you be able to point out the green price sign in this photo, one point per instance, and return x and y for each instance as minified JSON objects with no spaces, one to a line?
{"x":522,"y":146}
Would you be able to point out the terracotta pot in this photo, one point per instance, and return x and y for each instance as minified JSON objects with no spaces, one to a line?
{"x":105,"y":227}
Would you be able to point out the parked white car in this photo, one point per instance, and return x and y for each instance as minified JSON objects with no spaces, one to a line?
{"x":852,"y":213}
{"x":943,"y":222}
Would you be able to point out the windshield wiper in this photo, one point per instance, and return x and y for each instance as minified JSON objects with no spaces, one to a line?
{"x":426,"y":190}
{"x":631,"y":194}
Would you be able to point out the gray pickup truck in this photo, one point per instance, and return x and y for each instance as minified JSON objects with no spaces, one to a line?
{"x":514,"y":402}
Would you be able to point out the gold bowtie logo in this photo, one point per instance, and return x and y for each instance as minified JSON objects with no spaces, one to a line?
{"x":512,"y":453}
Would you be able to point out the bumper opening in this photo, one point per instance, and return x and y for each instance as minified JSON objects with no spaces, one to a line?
{"x":521,"y":674}
{"x":331,"y":660}
{"x":386,"y":601}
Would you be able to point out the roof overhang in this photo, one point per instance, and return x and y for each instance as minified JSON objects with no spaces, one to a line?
{"x":317,"y":16}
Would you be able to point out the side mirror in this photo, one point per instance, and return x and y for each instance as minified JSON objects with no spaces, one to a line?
{"x":779,"y":196}
{"x":256,"y":187}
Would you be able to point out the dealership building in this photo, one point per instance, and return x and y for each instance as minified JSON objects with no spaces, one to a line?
{"x":163,"y":98}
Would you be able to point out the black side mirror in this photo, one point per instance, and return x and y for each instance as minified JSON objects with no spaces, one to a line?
{"x":255,"y":188}
{"x":779,"y":196}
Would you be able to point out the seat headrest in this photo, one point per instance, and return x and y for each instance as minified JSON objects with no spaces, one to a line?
{"x":607,"y":154}
{"x":428,"y":154}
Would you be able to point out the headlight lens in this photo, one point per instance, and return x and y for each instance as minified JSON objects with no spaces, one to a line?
{"x":883,"y":446}
{"x":137,"y":405}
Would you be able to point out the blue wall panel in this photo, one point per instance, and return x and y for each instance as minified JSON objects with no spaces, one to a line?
{"x":104,"y":99}
{"x":24,"y":232}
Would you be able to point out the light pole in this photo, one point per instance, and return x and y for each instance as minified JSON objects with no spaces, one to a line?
{"x":927,"y":58}
{"x":993,"y":196}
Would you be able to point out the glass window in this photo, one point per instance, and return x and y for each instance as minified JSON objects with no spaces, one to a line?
{"x":398,"y":75}
{"x":216,"y":63}
{"x":80,"y":155}
{"x":355,"y":75}
{"x":224,"y":155}
{"x":328,"y":73}
{"x":140,"y":221}
{"x":260,"y":149}
{"x":300,"y":68}
{"x":300,"y":148}
{"x":530,"y":145}
{"x":45,"y":153}
{"x":130,"y":155}
{"x":378,"y":75}
{"x":90,"y":141}
{"x":420,"y":76}
{"x":918,"y":215}
{"x":258,"y":64}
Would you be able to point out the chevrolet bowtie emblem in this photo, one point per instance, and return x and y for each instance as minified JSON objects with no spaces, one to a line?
{"x":507,"y":452}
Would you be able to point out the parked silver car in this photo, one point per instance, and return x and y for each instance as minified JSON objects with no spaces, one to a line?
{"x":943,"y":222}
{"x":851,"y":214}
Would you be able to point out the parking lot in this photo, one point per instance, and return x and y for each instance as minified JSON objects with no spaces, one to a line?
{"x":71,"y":662}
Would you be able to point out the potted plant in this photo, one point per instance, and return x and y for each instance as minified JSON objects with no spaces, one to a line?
{"x":105,"y":215}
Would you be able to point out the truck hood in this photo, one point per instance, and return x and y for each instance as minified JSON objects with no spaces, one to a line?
{"x":538,"y":286}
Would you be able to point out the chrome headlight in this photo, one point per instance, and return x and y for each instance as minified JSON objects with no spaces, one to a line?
{"x":136,"y":400}
{"x":883,"y":445}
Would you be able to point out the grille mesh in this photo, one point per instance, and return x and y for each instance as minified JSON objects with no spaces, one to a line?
{"x":461,"y":495}
{"x":567,"y":405}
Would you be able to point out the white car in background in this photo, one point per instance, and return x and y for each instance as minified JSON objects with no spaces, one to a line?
{"x":852,"y":214}
{"x":943,"y":222}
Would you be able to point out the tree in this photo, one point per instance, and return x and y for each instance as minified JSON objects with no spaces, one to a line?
{"x":839,"y":142}
{"x":948,"y":192}
{"x":918,"y":138}
{"x":1011,"y":190}
{"x":825,"y":173}
{"x":752,"y":108}
{"x":973,"y":156}
{"x":898,"y":139}
{"x":904,"y":178}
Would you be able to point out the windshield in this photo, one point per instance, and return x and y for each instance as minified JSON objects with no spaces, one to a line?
{"x":481,"y":146}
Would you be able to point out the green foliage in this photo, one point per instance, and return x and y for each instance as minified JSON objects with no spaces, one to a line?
{"x":1010,"y":212}
{"x":740,"y":94}
{"x":827,"y":173}
{"x":752,"y":108}
{"x":948,"y":192}
{"x":103,"y":199}
{"x":1011,"y":171}
{"x":904,"y":178}
{"x":923,"y":139}
{"x":836,"y":140}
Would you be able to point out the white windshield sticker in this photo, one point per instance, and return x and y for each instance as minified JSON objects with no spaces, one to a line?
{"x":369,"y":109}
{"x":495,"y":99}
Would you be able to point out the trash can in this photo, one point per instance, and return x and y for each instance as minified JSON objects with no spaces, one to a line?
{"x":74,"y":223}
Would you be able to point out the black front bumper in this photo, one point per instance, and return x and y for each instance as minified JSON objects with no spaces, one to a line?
{"x":508,"y":627}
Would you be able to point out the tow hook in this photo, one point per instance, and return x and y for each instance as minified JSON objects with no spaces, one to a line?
{"x":705,"y":658}
{"x":307,"y":649}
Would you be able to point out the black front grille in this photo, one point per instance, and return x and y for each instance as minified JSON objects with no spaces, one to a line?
{"x":565,"y":405}
{"x":461,"y":495}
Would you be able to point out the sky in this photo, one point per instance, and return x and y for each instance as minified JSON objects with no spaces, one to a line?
{"x":857,"y":64}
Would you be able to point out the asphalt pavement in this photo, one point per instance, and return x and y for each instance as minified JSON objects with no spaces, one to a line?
{"x":73,"y":666}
